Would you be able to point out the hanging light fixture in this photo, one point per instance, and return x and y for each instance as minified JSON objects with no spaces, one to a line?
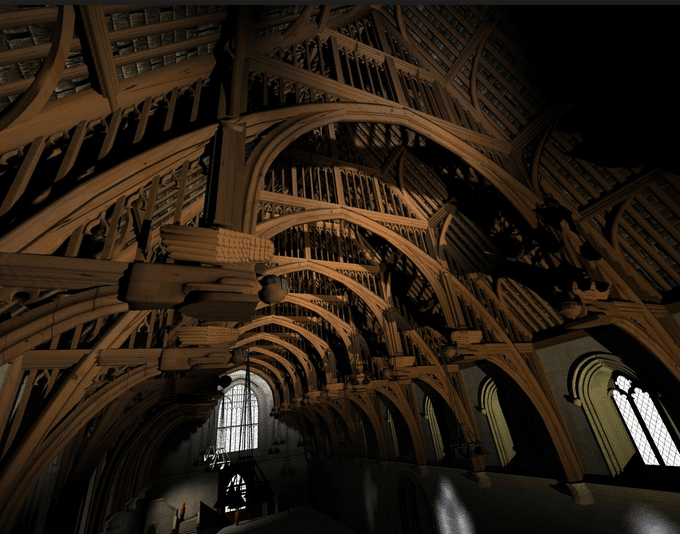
{"x":463,"y":446}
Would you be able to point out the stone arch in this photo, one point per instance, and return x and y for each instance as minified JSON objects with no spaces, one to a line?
{"x":589,"y":387}
{"x":538,"y":452}
{"x":442,"y":422}
{"x":449,"y":396}
{"x":364,"y":406}
{"x":491,"y":408}
{"x":261,"y":389}
{"x":520,"y":376}
{"x":408,"y":427}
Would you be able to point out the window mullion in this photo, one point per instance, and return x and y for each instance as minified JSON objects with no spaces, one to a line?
{"x":643,"y":425}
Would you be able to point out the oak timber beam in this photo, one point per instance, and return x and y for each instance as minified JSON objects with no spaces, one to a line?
{"x":308,"y":204}
{"x":69,"y":211}
{"x":30,"y":103}
{"x":392,"y":159}
{"x":239,"y":78}
{"x":324,"y":15}
{"x":425,"y":61}
{"x":300,"y":21}
{"x":136,"y":32}
{"x":619,"y":194}
{"x":308,"y":31}
{"x":226,"y":193}
{"x":538,"y":124}
{"x":98,"y":39}
{"x":475,"y":43}
{"x":65,"y":113}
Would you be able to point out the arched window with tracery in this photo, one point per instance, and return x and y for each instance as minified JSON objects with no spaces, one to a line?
{"x":625,"y":415}
{"x":644,"y":423}
{"x":238,"y":485}
{"x":237,"y":419}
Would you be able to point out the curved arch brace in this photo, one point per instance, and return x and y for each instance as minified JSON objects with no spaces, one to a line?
{"x":30,"y":460}
{"x":376,"y":304}
{"x":666,"y":354}
{"x":320,"y":412}
{"x":353,"y":340}
{"x":363,"y":402}
{"x":319,"y":115}
{"x":319,"y":344}
{"x":549,"y":413}
{"x":32,"y":101}
{"x":373,"y":301}
{"x":414,"y":426}
{"x":427,"y":265}
{"x":299,"y":354}
{"x":341,"y":409}
{"x":297,"y":386}
{"x":266,"y":377}
{"x":47,"y":321}
{"x":451,"y":398}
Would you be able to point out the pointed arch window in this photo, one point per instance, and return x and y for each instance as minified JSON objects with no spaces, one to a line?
{"x":237,"y":485}
{"x":364,"y":441}
{"x":393,"y":433}
{"x":644,"y":423}
{"x":626,"y":418}
{"x":491,"y":407}
{"x":237,"y":420}
{"x":437,"y":441}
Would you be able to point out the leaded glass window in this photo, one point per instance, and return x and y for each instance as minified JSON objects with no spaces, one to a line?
{"x":237,"y":420}
{"x":645,"y":423}
{"x":236,"y":484}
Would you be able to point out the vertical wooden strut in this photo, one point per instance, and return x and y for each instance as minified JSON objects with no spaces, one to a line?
{"x":226,"y":192}
{"x":239,"y":79}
